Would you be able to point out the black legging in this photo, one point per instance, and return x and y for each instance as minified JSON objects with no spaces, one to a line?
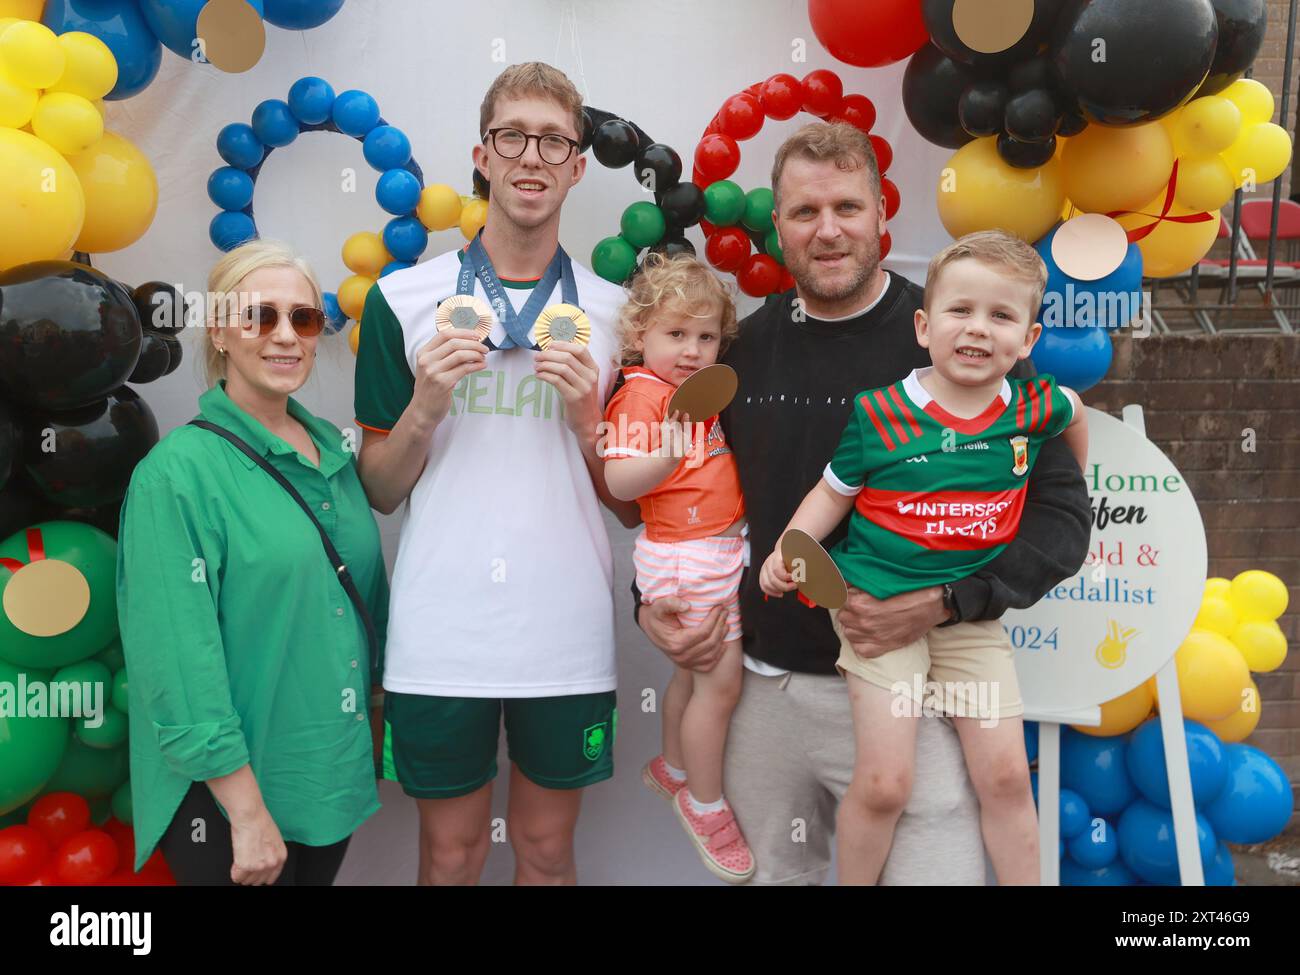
{"x":209,"y":862}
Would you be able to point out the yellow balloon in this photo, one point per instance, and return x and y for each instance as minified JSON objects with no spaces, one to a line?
{"x":439,"y":207}
{"x":121,"y":194}
{"x":1204,"y":183}
{"x":1239,"y":725}
{"x":1260,"y":155}
{"x":473,"y":215}
{"x":1207,"y":126}
{"x":22,"y":9}
{"x":1258,"y":595}
{"x":1171,"y":248}
{"x":42,"y":205}
{"x":31,"y":54}
{"x":68,"y":122}
{"x":364,"y":253}
{"x":352,"y":295}
{"x":354,"y":338}
{"x":1253,"y":99}
{"x":6,"y":21}
{"x":978,"y":191}
{"x":17,"y":102}
{"x":1122,"y":714}
{"x":1216,"y":615}
{"x":1110,"y":169}
{"x":1262,"y":643}
{"x":1217,"y":586}
{"x":1211,"y":676}
{"x":92,"y":69}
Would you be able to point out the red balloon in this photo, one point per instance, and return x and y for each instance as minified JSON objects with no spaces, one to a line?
{"x":717,"y":156}
{"x":787,"y":280}
{"x":869,"y":35}
{"x":760,"y":276}
{"x":48,"y":877}
{"x":892,"y":197}
{"x":157,"y":870}
{"x":781,"y":96}
{"x":23,"y":852}
{"x":708,"y":228}
{"x":86,"y":858}
{"x":885,"y":244}
{"x":823,"y":92}
{"x":59,"y":816}
{"x":858,"y":111}
{"x":741,"y":116}
{"x":727,"y":248}
{"x":123,"y":838}
{"x":884,"y":154}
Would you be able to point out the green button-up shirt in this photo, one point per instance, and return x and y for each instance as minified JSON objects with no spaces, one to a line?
{"x":241,"y":645}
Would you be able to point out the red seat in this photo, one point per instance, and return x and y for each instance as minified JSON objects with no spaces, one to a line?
{"x":1257,"y":220}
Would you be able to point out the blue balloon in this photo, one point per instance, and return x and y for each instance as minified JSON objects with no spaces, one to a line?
{"x":176,"y":22}
{"x":398,"y":191}
{"x":335,"y":319}
{"x":120,"y":25}
{"x":1220,"y":872}
{"x":229,"y":229}
{"x":1256,"y":802}
{"x":230,"y":188}
{"x":274,"y":124}
{"x":1096,"y":847}
{"x":1031,"y":740}
{"x":1094,"y":768}
{"x":1109,"y":302}
{"x":355,"y":113}
{"x":1077,"y":357}
{"x":387,"y":147}
{"x":1112,"y":875}
{"x":405,"y":238}
{"x":1074,"y":814}
{"x":1033,"y":786}
{"x":1146,"y":842}
{"x":1205,"y":759}
{"x":1060,"y":849}
{"x":311,"y":100}
{"x":392,"y":266}
{"x":239,"y":145}
{"x":301,"y":14}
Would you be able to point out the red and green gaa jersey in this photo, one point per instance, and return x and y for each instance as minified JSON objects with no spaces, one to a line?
{"x":937,"y":496}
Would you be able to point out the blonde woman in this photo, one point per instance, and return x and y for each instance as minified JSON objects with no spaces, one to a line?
{"x":250,"y":651}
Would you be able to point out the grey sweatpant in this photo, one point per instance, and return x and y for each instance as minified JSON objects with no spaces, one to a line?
{"x":788,"y":763}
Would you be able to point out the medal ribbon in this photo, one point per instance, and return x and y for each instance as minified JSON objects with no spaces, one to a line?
{"x":517,"y":325}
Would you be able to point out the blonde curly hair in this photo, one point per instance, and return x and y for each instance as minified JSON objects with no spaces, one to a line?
{"x":679,"y":283}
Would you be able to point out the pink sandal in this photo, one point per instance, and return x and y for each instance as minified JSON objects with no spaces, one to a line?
{"x":717,"y":839}
{"x":655,"y":775}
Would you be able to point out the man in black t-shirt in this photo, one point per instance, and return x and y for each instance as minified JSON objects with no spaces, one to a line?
{"x":847,"y":326}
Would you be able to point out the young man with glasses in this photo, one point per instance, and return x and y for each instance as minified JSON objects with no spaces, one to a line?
{"x":502,"y":601}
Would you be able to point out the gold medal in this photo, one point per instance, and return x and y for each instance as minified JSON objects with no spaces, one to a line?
{"x":465,"y":313}
{"x":562,"y":323}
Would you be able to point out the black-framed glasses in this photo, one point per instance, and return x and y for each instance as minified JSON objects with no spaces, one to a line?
{"x":511,"y":144}
{"x":262,"y":319}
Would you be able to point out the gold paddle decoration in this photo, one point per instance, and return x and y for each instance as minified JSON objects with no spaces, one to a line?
{"x":815,"y":572}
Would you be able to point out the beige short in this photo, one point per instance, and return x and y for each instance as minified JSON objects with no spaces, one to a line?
{"x":965,"y":670}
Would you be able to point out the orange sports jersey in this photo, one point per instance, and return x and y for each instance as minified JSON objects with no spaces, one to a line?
{"x":699,"y":499}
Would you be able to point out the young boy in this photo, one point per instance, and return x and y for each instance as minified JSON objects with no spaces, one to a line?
{"x":934,"y":469}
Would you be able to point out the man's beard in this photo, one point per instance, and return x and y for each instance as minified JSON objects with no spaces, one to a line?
{"x":802,"y":271}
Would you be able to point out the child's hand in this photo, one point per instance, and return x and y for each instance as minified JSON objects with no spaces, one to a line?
{"x":774,"y":578}
{"x":675,"y":435}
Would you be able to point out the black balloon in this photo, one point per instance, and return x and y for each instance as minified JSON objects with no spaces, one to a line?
{"x":83,"y":458}
{"x":160,"y":307}
{"x":174,"y":353}
{"x":1032,"y":116}
{"x":1128,"y":62}
{"x":1031,"y":74}
{"x":588,"y":130}
{"x":1241,"y":34}
{"x":982,"y":107}
{"x":1072,"y":123}
{"x":673,"y":246}
{"x":481,"y":187}
{"x":932,"y":87}
{"x":68,"y":335}
{"x":154,"y":359}
{"x":683,"y":205}
{"x":615,"y":143}
{"x":105,"y":518}
{"x":1025,"y":155}
{"x":658,"y":167}
{"x":10,"y":443}
{"x":938,"y":20}
{"x":19,"y":508}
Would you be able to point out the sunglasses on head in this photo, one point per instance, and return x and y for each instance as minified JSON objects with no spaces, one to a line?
{"x":306,"y":320}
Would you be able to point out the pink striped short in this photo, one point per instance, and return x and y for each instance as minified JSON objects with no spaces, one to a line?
{"x":702,"y":571}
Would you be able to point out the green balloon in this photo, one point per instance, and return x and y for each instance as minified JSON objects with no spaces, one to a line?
{"x":724,"y":203}
{"x":614,"y":259}
{"x":108,"y":733}
{"x":93,"y":554}
{"x":773,"y":247}
{"x":31,"y":748}
{"x":643,"y":224}
{"x":119,"y":684}
{"x":87,"y":671}
{"x":100,"y":810}
{"x":91,"y":772}
{"x":758,"y":209}
{"x":122,"y":802}
{"x":112,"y":656}
{"x":15,"y":817}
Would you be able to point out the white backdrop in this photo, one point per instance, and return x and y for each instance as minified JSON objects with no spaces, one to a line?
{"x":666,"y":65}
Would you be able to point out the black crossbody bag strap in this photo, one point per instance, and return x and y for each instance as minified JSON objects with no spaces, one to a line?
{"x":341,"y":570}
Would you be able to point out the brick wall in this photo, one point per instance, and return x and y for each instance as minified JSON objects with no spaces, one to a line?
{"x":1268,"y":68}
{"x":1199,"y":395}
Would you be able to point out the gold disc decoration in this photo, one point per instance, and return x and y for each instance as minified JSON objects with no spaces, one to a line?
{"x":46,"y":598}
{"x":465,"y":313}
{"x":813,"y":569}
{"x":232,"y":33}
{"x":562,"y":323}
{"x":706,"y":393}
{"x":1090,"y":246}
{"x":991,"y":26}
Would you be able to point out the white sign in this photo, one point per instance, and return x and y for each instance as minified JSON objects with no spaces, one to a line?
{"x":1103,"y":632}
